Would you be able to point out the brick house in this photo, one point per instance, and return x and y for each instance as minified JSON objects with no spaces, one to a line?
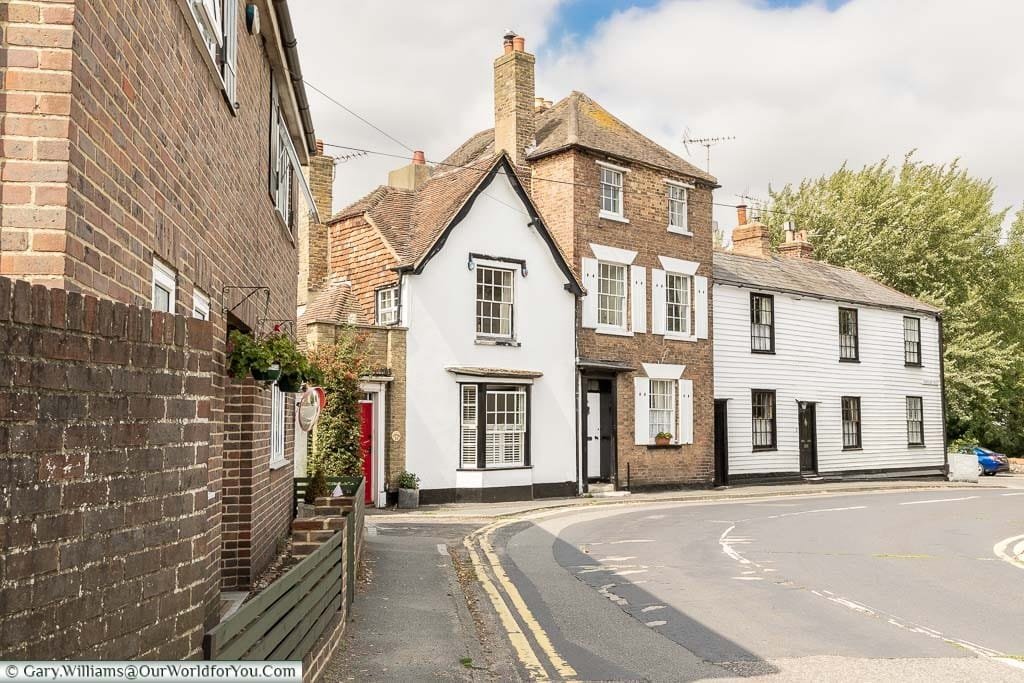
{"x":634,"y":222}
{"x":152,"y":158}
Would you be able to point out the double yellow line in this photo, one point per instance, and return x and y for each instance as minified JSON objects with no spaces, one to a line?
{"x":516,"y":618}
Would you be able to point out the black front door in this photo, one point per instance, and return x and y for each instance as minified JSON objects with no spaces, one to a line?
{"x":808,"y":437}
{"x":721,"y":442}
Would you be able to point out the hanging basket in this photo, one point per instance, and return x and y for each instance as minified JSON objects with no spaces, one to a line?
{"x":269,"y":375}
{"x":290,"y":382}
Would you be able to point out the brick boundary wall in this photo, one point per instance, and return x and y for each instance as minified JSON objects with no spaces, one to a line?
{"x":104,"y":440}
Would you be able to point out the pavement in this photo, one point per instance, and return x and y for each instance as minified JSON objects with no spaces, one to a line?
{"x":642,"y":588}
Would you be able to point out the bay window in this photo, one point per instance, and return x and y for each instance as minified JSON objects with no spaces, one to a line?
{"x":494,"y":429}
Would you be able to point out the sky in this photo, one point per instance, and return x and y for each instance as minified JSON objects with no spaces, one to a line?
{"x":803,"y":86}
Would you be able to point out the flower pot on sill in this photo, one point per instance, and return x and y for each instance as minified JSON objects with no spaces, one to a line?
{"x":268,"y":375}
{"x":662,"y":441}
{"x":289,"y":382}
{"x":408,"y":499}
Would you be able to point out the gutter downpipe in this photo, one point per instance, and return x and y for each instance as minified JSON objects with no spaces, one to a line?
{"x":942,"y":389}
{"x":290,"y":44}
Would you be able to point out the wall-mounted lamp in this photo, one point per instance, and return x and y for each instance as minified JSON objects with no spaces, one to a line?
{"x":470,"y":264}
{"x":522,"y":269}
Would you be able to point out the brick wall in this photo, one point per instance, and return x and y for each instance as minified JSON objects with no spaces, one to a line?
{"x":574,"y":221}
{"x":254,"y":518}
{"x":357,"y":252}
{"x":104,"y":439}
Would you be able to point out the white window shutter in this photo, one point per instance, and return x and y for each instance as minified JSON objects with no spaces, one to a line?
{"x":230,"y":65}
{"x":642,"y":410}
{"x":700,"y":313}
{"x":685,"y":411}
{"x":639,"y":294}
{"x":590,"y":300}
{"x":657,"y":301}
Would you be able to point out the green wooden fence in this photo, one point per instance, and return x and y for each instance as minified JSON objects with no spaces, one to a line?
{"x":286,"y":619}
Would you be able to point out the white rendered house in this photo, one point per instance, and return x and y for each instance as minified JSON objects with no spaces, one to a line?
{"x":820,"y":370}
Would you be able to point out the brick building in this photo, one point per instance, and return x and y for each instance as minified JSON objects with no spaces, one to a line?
{"x":152,"y":158}
{"x":634,"y":222}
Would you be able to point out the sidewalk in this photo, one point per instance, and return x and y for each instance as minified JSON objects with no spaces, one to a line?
{"x":486,"y":512}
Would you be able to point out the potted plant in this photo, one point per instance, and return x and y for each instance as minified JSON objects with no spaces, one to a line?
{"x":295,"y":367}
{"x":318,"y":488}
{"x":408,"y":491}
{"x":662,"y":439}
{"x":250,"y":356}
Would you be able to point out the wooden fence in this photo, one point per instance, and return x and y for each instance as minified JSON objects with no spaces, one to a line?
{"x":286,"y":619}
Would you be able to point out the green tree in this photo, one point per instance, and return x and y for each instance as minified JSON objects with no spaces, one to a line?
{"x":336,"y":438}
{"x":931,"y":231}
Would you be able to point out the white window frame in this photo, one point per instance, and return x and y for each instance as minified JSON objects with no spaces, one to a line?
{"x":387,"y":314}
{"x":607,"y":326}
{"x":283,"y":162}
{"x":164,"y":278}
{"x":200,"y":304}
{"x":682,"y":228}
{"x":510,"y":273}
{"x":617,"y":190}
{"x":277,"y":428}
{"x":661,"y":389}
{"x":504,"y":446}
{"x":687,"y":306}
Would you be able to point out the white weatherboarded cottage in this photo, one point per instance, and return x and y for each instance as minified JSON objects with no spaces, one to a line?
{"x":489,"y":303}
{"x":820,"y":370}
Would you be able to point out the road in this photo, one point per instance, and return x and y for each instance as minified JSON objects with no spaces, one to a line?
{"x":876,"y":586}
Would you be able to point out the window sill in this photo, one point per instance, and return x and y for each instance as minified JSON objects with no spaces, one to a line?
{"x":670,"y":446}
{"x":608,"y":215}
{"x":494,"y":469}
{"x":614,"y":331}
{"x":764,"y":449}
{"x":489,"y":341}
{"x":763,"y":353}
{"x":913,"y":365}
{"x":282,"y":222}
{"x":915,"y":445}
{"x":672,"y":336}
{"x":676,"y":230}
{"x":277,"y":464}
{"x":853,"y":448}
{"x":849,"y":360}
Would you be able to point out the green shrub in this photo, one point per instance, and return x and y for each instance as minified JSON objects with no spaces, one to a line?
{"x":318,"y":487}
{"x":408,"y":480}
{"x":336,"y":447}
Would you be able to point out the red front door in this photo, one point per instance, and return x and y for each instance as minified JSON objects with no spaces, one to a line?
{"x":366,"y":446}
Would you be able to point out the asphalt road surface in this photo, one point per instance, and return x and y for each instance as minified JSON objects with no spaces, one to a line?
{"x":901,"y":586}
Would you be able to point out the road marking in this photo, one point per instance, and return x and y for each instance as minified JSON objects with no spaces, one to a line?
{"x":622,"y":558}
{"x":633,"y":540}
{"x":748,"y":578}
{"x":1014,"y":556}
{"x":655,"y":623}
{"x":655,"y":517}
{"x":606,"y":591}
{"x":442,"y":549}
{"x":1011,"y":494}
{"x":938,"y":500}
{"x":482,"y":538}
{"x":626,"y":572}
{"x":652,"y":608}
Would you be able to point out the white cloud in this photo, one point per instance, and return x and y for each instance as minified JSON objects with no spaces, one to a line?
{"x":802,"y":89}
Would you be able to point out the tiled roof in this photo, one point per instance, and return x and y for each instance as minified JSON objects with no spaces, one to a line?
{"x":806,"y":276}
{"x":577,"y":120}
{"x":334,"y":303}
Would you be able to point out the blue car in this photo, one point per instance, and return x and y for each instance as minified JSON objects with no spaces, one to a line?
{"x":989,"y":462}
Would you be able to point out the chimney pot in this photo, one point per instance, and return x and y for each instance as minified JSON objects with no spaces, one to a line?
{"x":319,"y":148}
{"x":519,"y":44}
{"x":418,"y":158}
{"x":796,"y":245}
{"x":538,"y":103}
{"x":741,"y":214}
{"x":507,"y":41}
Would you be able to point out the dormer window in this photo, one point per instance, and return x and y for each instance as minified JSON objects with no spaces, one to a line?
{"x":611,"y":192}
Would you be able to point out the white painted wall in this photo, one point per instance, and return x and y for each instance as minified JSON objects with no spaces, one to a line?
{"x":440,"y":308}
{"x":806,"y":367}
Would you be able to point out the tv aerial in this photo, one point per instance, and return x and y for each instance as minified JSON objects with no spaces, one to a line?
{"x":706,"y":143}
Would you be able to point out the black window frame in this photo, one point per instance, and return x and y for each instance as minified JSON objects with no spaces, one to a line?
{"x":855,"y":334}
{"x":774,"y":446}
{"x":920,"y":421}
{"x":907,"y":343}
{"x":859,"y":423}
{"x":481,"y":425}
{"x":770,"y":298}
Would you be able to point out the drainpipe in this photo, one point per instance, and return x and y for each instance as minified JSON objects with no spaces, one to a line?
{"x":942,"y":389}
{"x":290,"y":44}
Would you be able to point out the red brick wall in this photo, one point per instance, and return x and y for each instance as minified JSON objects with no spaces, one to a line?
{"x":357,"y":252}
{"x":119,"y":147}
{"x":104,"y":440}
{"x":256,"y":499}
{"x":575,"y":217}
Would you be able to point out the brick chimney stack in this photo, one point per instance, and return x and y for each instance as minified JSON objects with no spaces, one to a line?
{"x":514,"y":99}
{"x":313,"y":236}
{"x":750,"y":239}
{"x":410,"y":176}
{"x":796,"y":244}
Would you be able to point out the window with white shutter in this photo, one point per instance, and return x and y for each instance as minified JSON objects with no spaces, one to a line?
{"x":641,"y":411}
{"x":469,"y":425}
{"x":685,"y":411}
{"x":638,"y":294}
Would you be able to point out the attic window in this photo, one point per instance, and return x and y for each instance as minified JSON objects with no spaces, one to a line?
{"x":387,"y":306}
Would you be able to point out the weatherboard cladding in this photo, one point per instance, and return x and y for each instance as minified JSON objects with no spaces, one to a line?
{"x":803,"y":276}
